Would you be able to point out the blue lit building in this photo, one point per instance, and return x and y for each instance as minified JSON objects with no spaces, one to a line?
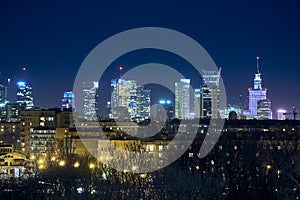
{"x":256,"y":93}
{"x":24,"y":94}
{"x":68,"y":101}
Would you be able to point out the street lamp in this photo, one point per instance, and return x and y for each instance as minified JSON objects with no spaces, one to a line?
{"x":91,"y":165}
{"x":62,"y":163}
{"x":76,"y":165}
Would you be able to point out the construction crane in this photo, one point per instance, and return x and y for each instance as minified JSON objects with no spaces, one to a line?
{"x":294,"y":113}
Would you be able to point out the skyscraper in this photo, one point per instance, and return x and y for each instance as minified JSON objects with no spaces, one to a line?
{"x":210,"y":94}
{"x":90,"y":95}
{"x":24,"y":94}
{"x":264,"y":109}
{"x":124,"y":98}
{"x":281,"y":113}
{"x":143,"y":102}
{"x":257,"y":92}
{"x":3,"y":101}
{"x":3,"y":93}
{"x":211,"y":78}
{"x":168,"y":106}
{"x":68,"y":100}
{"x":182,"y":99}
{"x":197,"y":97}
{"x":205,"y":102}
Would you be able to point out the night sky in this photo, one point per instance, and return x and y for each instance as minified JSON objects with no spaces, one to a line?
{"x":52,"y":39}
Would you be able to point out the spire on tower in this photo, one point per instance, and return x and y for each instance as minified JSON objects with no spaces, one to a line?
{"x":121,"y":70}
{"x":257,"y":64}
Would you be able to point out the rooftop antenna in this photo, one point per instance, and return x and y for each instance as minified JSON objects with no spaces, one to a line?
{"x":23,"y":72}
{"x":257,"y":63}
{"x":121,"y":71}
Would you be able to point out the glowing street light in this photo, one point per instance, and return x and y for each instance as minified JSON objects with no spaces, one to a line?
{"x":62,"y":163}
{"x":41,"y":166}
{"x":76,"y":165}
{"x":143,"y":175}
{"x":91,"y":165}
{"x":40,"y":161}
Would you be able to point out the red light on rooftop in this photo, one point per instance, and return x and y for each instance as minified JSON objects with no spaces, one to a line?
{"x":23,"y":68}
{"x":257,"y":57}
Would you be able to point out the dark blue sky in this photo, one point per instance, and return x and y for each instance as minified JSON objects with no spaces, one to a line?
{"x":53,"y":38}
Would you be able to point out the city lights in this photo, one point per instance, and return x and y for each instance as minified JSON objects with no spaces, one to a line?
{"x":62,"y":163}
{"x":76,"y":165}
{"x":92,"y":165}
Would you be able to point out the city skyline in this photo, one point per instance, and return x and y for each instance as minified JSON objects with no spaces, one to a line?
{"x":210,"y":78}
{"x":40,"y":41}
{"x":149,"y":99}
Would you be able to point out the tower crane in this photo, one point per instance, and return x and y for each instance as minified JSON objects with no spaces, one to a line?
{"x":294,"y":113}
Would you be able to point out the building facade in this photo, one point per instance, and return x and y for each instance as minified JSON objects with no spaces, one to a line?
{"x":143,"y":102}
{"x":90,"y":95}
{"x":31,"y":119}
{"x":124,"y":99}
{"x":256,"y":93}
{"x":182,"y":99}
{"x":3,"y":93}
{"x":281,"y":114}
{"x":68,"y":101}
{"x":210,"y":94}
{"x":42,"y":143}
{"x":24,"y":94}
{"x":264,"y":110}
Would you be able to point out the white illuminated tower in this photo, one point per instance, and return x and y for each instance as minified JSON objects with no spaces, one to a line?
{"x":90,"y":95}
{"x":256,"y":93}
{"x":182,"y":99}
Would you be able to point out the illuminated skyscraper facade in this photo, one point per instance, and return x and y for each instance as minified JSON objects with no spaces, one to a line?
{"x":264,"y":109}
{"x":24,"y":94}
{"x":123,"y":98}
{"x":68,"y":101}
{"x":257,"y":93}
{"x":90,"y":95}
{"x":143,"y":102}
{"x":3,"y":93}
{"x":210,"y":94}
{"x":197,"y":97}
{"x":182,"y":99}
{"x":3,"y":101}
